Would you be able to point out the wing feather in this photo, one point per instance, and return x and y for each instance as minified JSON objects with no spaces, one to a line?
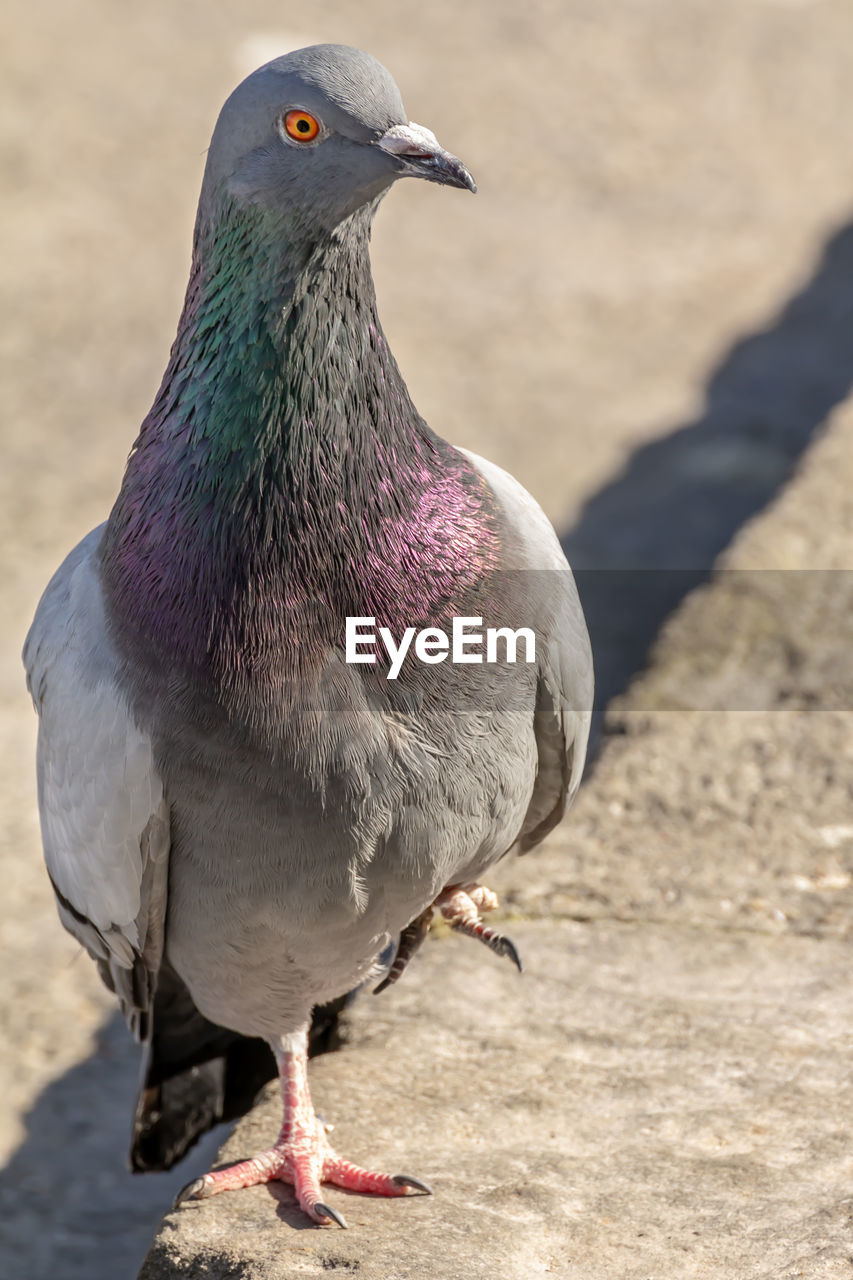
{"x":565,"y":686}
{"x":104,"y":817}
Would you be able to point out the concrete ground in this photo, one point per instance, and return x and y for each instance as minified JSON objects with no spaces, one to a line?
{"x":647,"y":315}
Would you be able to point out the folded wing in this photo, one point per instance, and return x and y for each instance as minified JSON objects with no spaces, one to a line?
{"x":564,"y":657}
{"x":104,"y":818}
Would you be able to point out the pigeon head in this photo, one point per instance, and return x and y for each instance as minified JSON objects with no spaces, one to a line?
{"x":318,"y":133}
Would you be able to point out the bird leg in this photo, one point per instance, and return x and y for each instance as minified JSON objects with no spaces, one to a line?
{"x":302,"y":1155}
{"x":461,"y":906}
{"x":411,"y":939}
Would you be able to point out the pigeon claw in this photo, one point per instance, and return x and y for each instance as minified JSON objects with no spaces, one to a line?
{"x":194,"y":1190}
{"x":320,"y":1210}
{"x":504,"y":946}
{"x":461,"y":909}
{"x":497,"y":942}
{"x":406,"y":1180}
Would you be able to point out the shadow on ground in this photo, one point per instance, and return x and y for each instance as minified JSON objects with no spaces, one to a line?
{"x":641,"y":543}
{"x":97,"y":1225}
{"x":650,"y":536}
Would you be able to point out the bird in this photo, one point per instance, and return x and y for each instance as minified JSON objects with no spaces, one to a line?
{"x":240,"y":823}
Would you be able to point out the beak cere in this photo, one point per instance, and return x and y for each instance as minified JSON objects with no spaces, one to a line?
{"x":421,"y":156}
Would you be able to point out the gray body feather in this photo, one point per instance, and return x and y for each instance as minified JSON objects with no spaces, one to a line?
{"x":289,"y":872}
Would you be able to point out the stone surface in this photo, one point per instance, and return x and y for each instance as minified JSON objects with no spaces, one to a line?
{"x":646,"y":314}
{"x":647,"y":1100}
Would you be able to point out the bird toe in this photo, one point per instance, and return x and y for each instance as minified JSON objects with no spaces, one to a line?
{"x":192,"y":1191}
{"x":505,"y":946}
{"x":320,"y":1211}
{"x":406,"y":1180}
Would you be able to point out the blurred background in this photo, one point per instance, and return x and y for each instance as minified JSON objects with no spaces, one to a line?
{"x":646,"y":314}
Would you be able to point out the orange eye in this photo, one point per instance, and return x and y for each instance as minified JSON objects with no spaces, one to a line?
{"x":301,"y":126}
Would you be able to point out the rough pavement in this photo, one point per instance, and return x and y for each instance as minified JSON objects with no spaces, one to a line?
{"x":637,"y":1105}
{"x":653,"y":287}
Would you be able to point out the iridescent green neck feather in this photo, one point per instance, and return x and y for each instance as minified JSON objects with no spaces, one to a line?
{"x":283,"y":478}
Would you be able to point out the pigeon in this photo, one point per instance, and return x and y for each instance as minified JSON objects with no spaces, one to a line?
{"x":241,"y":811}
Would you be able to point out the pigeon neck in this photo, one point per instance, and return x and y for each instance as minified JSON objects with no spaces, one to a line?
{"x":283,"y":478}
{"x":276,"y":330}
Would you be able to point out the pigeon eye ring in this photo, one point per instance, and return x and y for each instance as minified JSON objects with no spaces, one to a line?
{"x":300,"y":125}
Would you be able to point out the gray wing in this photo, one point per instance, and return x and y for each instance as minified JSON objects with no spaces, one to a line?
{"x":104,"y":818}
{"x":564,"y":657}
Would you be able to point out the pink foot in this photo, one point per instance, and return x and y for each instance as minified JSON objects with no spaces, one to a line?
{"x":302,"y":1155}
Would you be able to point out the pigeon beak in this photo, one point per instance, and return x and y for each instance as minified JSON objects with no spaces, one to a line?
{"x":420,"y":155}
